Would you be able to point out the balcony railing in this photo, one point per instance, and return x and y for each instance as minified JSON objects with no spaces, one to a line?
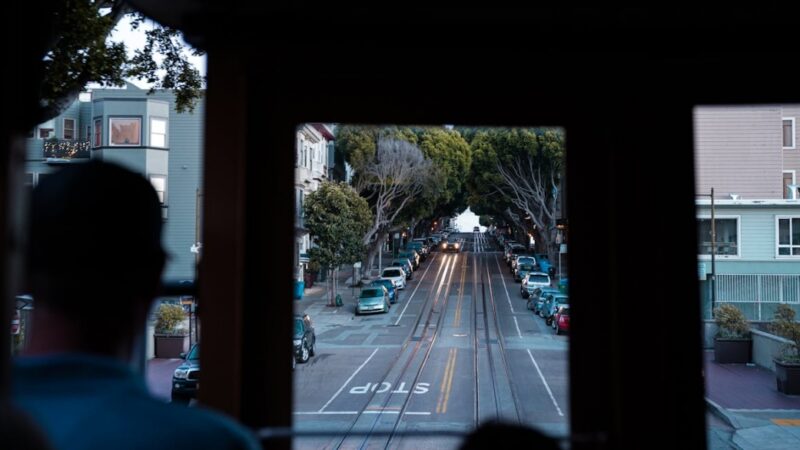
{"x":66,"y":148}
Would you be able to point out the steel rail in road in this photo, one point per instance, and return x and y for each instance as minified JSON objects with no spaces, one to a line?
{"x":501,"y":344}
{"x":430,"y":302}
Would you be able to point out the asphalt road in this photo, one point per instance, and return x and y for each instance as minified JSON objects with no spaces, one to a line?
{"x":459,"y":348}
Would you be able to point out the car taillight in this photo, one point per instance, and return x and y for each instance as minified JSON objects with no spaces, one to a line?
{"x":563,"y":320}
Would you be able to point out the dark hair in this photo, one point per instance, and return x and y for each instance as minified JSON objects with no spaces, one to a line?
{"x":490,"y":434}
{"x":95,"y":234}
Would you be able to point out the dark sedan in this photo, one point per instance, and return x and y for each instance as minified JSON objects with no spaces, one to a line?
{"x":304,"y":338}
{"x":450,"y":246}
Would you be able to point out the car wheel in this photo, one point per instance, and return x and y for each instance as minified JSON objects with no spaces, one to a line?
{"x":304,"y":355}
{"x":313,"y":350}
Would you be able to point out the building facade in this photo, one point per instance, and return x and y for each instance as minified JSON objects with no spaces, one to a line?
{"x":314,"y":163}
{"x":750,"y":157}
{"x":145,"y":134}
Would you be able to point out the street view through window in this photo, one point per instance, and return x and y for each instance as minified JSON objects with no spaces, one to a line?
{"x":431,"y":288}
{"x":748,"y":221}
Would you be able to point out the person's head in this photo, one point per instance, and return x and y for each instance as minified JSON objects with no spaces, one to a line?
{"x":95,"y":256}
{"x":489,"y":434}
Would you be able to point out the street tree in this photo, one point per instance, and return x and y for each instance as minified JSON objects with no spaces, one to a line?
{"x":526,"y":175}
{"x":337,"y":218}
{"x":397,"y":174}
{"x":443,"y":195}
{"x":81,"y":54}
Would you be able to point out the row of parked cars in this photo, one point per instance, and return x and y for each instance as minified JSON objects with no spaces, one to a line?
{"x":534,"y":272}
{"x":382,"y":293}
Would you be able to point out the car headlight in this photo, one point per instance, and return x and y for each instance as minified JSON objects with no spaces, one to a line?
{"x":297,"y":341}
{"x":456,"y":245}
{"x":181,"y":373}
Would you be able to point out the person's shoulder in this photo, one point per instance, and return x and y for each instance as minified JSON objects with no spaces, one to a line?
{"x":206,"y":428}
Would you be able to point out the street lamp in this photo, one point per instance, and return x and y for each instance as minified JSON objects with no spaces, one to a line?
{"x":713,"y":253}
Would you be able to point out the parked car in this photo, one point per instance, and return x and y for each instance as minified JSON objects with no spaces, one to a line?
{"x":537,"y":298}
{"x":372,"y":300}
{"x":561,"y":320}
{"x":521,"y":259}
{"x":512,"y":250}
{"x":418,"y":247}
{"x":532,"y":281}
{"x":406,"y":265}
{"x":397,"y":274}
{"x":186,"y":378}
{"x":551,"y":305}
{"x":451,"y":246}
{"x":305,"y":340}
{"x":389,"y":285}
{"x":522,"y":270}
{"x":412,"y":257}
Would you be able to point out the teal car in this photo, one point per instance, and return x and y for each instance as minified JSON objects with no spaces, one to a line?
{"x":524,"y":265}
{"x":389,"y":285}
{"x":551,"y":304}
{"x":373,"y":300}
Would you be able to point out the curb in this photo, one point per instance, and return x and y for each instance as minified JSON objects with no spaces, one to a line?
{"x":723,"y":414}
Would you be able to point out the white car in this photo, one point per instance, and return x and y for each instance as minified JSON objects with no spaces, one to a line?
{"x":396,"y":274}
{"x":532,"y":281}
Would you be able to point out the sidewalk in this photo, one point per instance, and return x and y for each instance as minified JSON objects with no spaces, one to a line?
{"x":746,"y":397}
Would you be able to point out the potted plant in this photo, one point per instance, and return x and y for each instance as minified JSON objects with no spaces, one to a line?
{"x":732,"y":344}
{"x":170,"y":337}
{"x":787,"y":364}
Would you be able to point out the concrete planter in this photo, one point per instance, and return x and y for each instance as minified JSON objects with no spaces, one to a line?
{"x":787,"y":377}
{"x":732,"y":351}
{"x":171,"y":345}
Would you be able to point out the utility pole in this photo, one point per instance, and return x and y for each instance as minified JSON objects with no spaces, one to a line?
{"x":713,"y":257}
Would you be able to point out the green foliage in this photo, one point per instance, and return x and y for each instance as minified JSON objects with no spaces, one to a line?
{"x":731,"y":323}
{"x":337,"y":219}
{"x":490,"y":146}
{"x":785,"y":326}
{"x":168,"y":317}
{"x":358,"y":143}
{"x":82,"y":54}
{"x":486,"y":221}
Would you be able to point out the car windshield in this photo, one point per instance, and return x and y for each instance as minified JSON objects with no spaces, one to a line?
{"x":366,"y":293}
{"x":391,"y":273}
{"x":561,"y":300}
{"x":194,"y":355}
{"x":526,"y":261}
{"x":298,"y":326}
{"x":538,"y":279}
{"x":565,"y":311}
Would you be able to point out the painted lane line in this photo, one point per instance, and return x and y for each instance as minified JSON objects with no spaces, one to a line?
{"x":546,"y":386}
{"x":516,"y":324}
{"x":450,"y":381}
{"x":443,"y":389}
{"x":503,"y":279}
{"x":408,"y":301}
{"x":348,"y":381}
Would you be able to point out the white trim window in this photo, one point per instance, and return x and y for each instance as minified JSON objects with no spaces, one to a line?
{"x":125,"y":131}
{"x":159,"y":183}
{"x":98,"y":133}
{"x":158,"y":132}
{"x":787,"y":232}
{"x":68,"y":129}
{"x":788,"y":133}
{"x":790,"y":185}
{"x":728,"y":232}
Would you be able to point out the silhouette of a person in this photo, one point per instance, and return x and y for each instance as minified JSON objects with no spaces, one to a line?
{"x":94,"y":264}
